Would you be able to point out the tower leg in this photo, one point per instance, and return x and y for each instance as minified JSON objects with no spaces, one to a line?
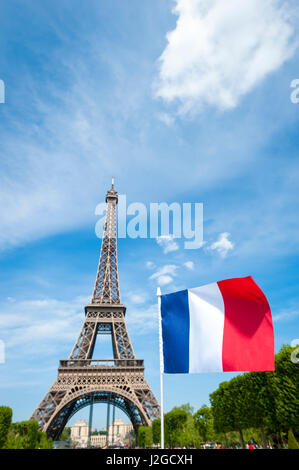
{"x":113,"y":419}
{"x":90,"y":422}
{"x":108,"y":419}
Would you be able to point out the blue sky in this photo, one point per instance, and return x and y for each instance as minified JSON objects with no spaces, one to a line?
{"x":180,"y":101}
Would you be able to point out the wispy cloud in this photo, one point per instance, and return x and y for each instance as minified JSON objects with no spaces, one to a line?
{"x":142,"y":320}
{"x":150,"y":264}
{"x":136,"y":297}
{"x":223,"y":245}
{"x":286,"y":315}
{"x":165,"y":274}
{"x":167,"y":243}
{"x":166,"y":118}
{"x":60,"y":142}
{"x":40,"y":326}
{"x":219,"y":50}
{"x":189,"y":265}
{"x":19,"y":384}
{"x":40,"y":182}
{"x":67,"y":134}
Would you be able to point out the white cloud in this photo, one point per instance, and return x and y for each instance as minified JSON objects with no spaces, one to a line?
{"x":40,"y":326}
{"x":286,"y":315}
{"x":167,"y":243}
{"x":59,"y":138}
{"x":165,"y":274}
{"x":219,"y":50}
{"x":39,"y":194}
{"x":142,"y":320}
{"x":137,"y":298}
{"x":150,"y":265}
{"x":166,"y":118}
{"x":223,"y":245}
{"x":189,"y":265}
{"x":164,"y":279}
{"x":18,"y":384}
{"x":43,"y":327}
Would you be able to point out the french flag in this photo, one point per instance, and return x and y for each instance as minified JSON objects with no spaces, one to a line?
{"x":220,"y":327}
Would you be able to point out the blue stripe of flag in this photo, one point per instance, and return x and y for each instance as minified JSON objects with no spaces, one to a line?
{"x":175,"y":332}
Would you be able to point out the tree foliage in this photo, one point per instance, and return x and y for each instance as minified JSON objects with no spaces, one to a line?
{"x":156,"y":430}
{"x":175,"y":422}
{"x":145,"y":438}
{"x":203,"y":422}
{"x":179,"y":427}
{"x":285,"y":390}
{"x":265,"y":400}
{"x":5,"y":422}
{"x":66,"y":434}
{"x":26,"y":435}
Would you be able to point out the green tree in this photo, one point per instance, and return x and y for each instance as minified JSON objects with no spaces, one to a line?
{"x":5,"y":422}
{"x":203,"y":420}
{"x":285,"y":389}
{"x":156,"y":430}
{"x":268,"y":401}
{"x":14,"y":439}
{"x":29,"y":433}
{"x":229,"y":407}
{"x":66,"y":434}
{"x":222,"y":409}
{"x":175,"y":426}
{"x":145,"y":437}
{"x":186,"y":434}
{"x":26,"y":435}
{"x":44,"y":442}
{"x":186,"y":407}
{"x":260,"y":402}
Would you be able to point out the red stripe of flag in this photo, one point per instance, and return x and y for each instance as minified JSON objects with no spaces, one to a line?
{"x":248,"y":338}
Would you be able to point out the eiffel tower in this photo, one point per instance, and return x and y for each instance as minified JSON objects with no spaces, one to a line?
{"x":82,"y":380}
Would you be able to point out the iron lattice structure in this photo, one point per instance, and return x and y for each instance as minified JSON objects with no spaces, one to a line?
{"x":81,"y":379}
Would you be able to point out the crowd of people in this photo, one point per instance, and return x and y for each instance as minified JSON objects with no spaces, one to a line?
{"x":251,"y":444}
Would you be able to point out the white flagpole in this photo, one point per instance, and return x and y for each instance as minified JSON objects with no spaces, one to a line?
{"x":161,"y":367}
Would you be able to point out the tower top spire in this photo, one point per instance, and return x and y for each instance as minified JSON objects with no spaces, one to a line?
{"x":106,"y":290}
{"x":112,"y":195}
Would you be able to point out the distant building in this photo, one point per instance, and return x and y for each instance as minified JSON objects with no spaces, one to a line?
{"x":98,"y":441}
{"x":79,"y":433}
{"x":118,"y":431}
